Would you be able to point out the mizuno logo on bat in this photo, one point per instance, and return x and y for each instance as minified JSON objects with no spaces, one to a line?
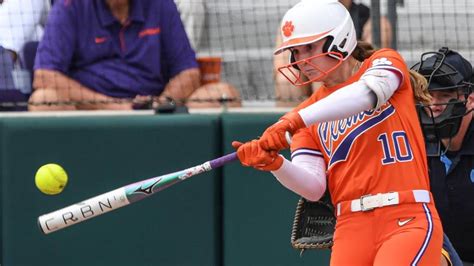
{"x":147,"y":190}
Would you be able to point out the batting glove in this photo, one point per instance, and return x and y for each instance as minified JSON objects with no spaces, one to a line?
{"x":252,"y":155}
{"x":274,"y":137}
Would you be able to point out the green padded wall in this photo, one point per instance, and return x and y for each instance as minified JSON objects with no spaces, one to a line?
{"x":258,"y":211}
{"x":178,"y":226}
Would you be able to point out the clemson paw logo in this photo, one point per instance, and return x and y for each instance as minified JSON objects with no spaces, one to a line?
{"x":381,"y":61}
{"x":288,"y":28}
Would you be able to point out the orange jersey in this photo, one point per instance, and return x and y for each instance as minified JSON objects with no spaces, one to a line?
{"x":375,"y":151}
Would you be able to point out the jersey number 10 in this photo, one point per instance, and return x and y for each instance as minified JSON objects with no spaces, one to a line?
{"x":397,"y":150}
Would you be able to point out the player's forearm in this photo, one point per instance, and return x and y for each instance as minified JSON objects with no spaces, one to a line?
{"x":373,"y":89}
{"x":305,"y":175}
{"x":341,"y":104}
{"x":183,"y":85}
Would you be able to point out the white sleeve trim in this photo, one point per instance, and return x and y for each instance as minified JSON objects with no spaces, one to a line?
{"x":305,"y":175}
{"x":391,"y":68}
{"x":383,"y":82}
{"x":299,"y":152}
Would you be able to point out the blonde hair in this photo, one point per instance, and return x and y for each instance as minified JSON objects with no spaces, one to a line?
{"x":419,"y":84}
{"x":420,"y":88}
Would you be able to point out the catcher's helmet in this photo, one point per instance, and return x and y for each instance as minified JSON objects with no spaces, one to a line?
{"x":444,"y":70}
{"x":310,"y":21}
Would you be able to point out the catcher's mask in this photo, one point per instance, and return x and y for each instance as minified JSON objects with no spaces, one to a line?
{"x":308,"y":22}
{"x":444,"y":70}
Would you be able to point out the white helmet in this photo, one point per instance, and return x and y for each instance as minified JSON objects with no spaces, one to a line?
{"x":312,"y":20}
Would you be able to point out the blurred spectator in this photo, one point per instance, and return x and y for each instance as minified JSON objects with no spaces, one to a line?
{"x":449,"y":132}
{"x":360,"y":14}
{"x":100,"y":54}
{"x":286,"y":94}
{"x":214,"y":95}
{"x":15,"y":83}
{"x":209,"y":95}
{"x":193,"y":16}
{"x":213,"y":92}
{"x":21,"y":21}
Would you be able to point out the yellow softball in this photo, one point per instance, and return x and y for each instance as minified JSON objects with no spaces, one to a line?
{"x":51,"y":179}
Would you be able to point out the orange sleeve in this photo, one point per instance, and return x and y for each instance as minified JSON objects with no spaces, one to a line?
{"x":390,"y":60}
{"x":303,"y":142}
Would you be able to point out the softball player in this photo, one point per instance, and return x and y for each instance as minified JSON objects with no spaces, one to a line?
{"x":360,"y":135}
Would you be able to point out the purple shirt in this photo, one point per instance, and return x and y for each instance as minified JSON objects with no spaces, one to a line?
{"x":87,"y":43}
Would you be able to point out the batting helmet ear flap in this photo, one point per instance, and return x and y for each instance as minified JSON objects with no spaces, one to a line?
{"x":293,"y":60}
{"x":326,"y":46}
{"x":329,"y":46}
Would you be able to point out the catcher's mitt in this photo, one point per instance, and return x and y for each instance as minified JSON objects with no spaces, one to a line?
{"x":313,"y":226}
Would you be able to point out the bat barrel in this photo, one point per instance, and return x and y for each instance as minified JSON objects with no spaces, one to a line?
{"x":120,"y":197}
{"x":82,"y":211}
